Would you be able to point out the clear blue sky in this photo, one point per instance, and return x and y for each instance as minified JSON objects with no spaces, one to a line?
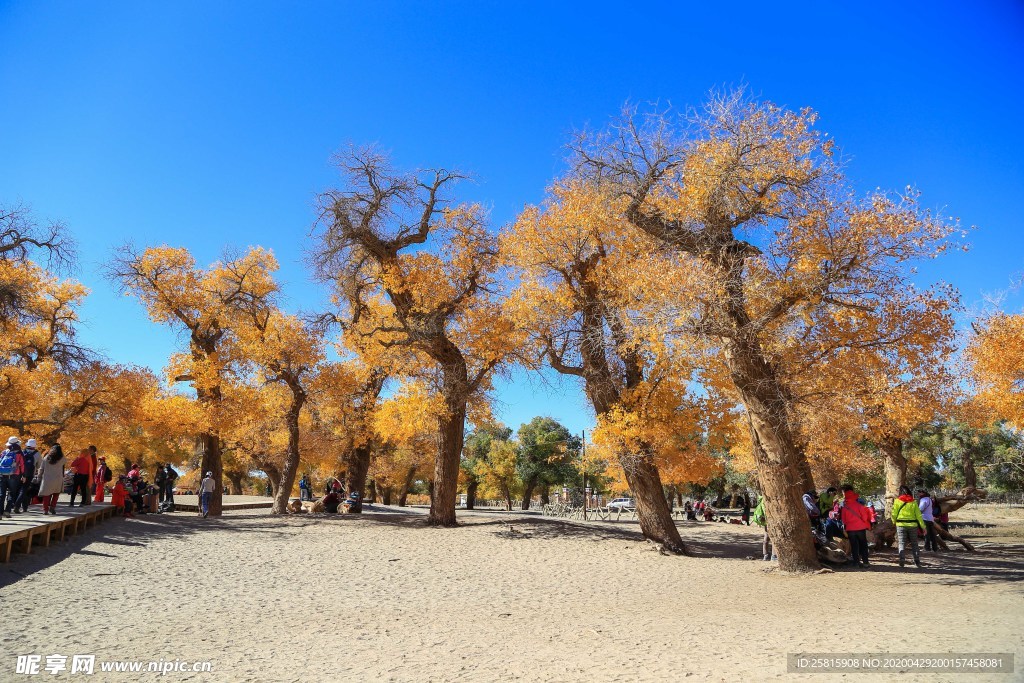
{"x":211,"y":124}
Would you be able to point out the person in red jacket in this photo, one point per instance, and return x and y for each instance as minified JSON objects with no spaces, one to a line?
{"x":856,"y":520}
{"x":81,"y":466}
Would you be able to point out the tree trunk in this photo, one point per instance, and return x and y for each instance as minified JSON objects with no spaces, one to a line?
{"x":236,"y":481}
{"x":403,"y":495}
{"x":508,"y":498}
{"x":895,"y":470}
{"x":471,"y":494}
{"x":528,"y":492}
{"x":651,"y":506}
{"x":371,"y":493}
{"x":451,"y":434}
{"x":782,"y":468}
{"x":970,"y":475}
{"x":291,"y":457}
{"x":210,"y":461}
{"x":357,"y":464}
{"x":545,"y":494}
{"x":274,"y":477}
{"x":385,"y":495}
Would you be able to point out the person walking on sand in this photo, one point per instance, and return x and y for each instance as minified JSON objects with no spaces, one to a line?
{"x":52,"y":478}
{"x":206,"y":488}
{"x":924,"y":502}
{"x":906,"y":515}
{"x":856,"y":520}
{"x":160,"y":480}
{"x":761,"y":520}
{"x":80,"y":466}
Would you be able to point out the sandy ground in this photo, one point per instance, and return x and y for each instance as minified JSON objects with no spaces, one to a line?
{"x":502,"y":597}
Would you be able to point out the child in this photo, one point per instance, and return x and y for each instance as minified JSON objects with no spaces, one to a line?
{"x":117,"y":496}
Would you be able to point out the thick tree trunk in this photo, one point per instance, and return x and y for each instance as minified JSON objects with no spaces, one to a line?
{"x":528,"y":492}
{"x":371,"y":492}
{"x":895,"y":470}
{"x":403,"y":495}
{"x":782,"y":468}
{"x":385,"y":495}
{"x":651,"y":506}
{"x":357,"y":464}
{"x":210,"y":461}
{"x":291,"y":457}
{"x":545,"y":494}
{"x":970,"y":475}
{"x":451,"y":434}
{"x":273,"y":476}
{"x":236,"y":481}
{"x":471,"y":494}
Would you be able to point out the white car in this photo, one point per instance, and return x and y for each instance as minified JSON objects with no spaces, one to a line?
{"x":622,"y":504}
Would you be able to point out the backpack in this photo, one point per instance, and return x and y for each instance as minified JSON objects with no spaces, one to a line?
{"x":7,"y":462}
{"x":30,"y":463}
{"x":107,"y":474}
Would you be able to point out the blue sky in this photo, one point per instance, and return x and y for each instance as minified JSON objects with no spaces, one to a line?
{"x":212,"y":124}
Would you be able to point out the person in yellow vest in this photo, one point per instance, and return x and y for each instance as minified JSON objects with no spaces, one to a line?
{"x":906,"y":515}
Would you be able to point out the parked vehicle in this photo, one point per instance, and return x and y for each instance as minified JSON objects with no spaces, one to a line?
{"x":622,"y":504}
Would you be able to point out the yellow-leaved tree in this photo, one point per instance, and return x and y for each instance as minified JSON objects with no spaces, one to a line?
{"x":749,"y":196}
{"x":417,"y":276}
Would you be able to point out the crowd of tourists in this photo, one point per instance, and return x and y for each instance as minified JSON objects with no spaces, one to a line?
{"x":845,"y":514}
{"x":29,"y":477}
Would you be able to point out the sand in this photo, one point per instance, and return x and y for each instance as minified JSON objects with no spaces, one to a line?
{"x":502,"y":597}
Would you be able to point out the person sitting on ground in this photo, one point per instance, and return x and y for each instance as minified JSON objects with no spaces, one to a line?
{"x":353,"y":503}
{"x":331,"y":502}
{"x":690,"y":514}
{"x":709,"y":513}
{"x":813,"y":511}
{"x":906,"y":515}
{"x":827,"y":500}
{"x":136,"y":490}
{"x":51,"y":480}
{"x":856,"y":520}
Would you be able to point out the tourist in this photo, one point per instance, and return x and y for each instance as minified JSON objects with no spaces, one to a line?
{"x":827,"y":501}
{"x":80,"y":467}
{"x":160,"y":479}
{"x":270,"y":489}
{"x":813,"y":511}
{"x":906,"y":515}
{"x":94,"y":464}
{"x":136,"y":488}
{"x":30,"y":480}
{"x":761,"y":520}
{"x":745,"y":515}
{"x":856,"y":519}
{"x":51,"y":479}
{"x":690,"y":514}
{"x":103,"y":477}
{"x":170,"y":476}
{"x":925,"y":504}
{"x":134,"y":472}
{"x":206,"y":489}
{"x":331,"y":501}
{"x":12,"y":470}
{"x":941,"y":516}
{"x":304,"y":488}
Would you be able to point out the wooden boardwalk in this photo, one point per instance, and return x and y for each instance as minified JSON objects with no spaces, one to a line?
{"x":23,"y":531}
